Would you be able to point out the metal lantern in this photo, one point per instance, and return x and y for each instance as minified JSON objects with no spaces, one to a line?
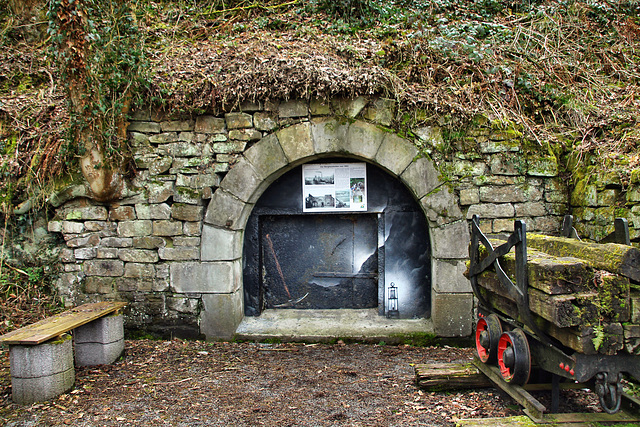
{"x":392,"y":301}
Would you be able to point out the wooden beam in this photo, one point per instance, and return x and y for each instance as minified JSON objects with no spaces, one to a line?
{"x":450,"y":376}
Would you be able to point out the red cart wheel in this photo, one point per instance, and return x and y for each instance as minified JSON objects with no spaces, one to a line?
{"x":514,"y":357}
{"x":488,"y":331}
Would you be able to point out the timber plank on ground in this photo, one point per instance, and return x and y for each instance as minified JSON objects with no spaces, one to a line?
{"x":57,"y":325}
{"x":450,"y":376}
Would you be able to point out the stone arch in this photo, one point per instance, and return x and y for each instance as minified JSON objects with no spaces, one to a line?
{"x":228,"y":212}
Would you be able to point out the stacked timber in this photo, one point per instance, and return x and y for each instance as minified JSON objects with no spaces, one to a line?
{"x":586,"y":295}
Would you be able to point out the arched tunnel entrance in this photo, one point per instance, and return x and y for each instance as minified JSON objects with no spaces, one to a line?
{"x":302,"y":253}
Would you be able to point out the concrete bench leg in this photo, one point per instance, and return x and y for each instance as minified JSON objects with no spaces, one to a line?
{"x":100,"y":342}
{"x":41,"y":372}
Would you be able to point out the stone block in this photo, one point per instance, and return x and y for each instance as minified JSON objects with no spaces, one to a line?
{"x":241,"y":181}
{"x":99,"y":342}
{"x":609,"y":197}
{"x":72,"y":227}
{"x":85,"y":213}
{"x":441,"y":206}
{"x":491,"y":210}
{"x":349,"y":107}
{"x":508,"y":164}
{"x":122,"y":213}
{"x":138,"y":255}
{"x":159,"y":165}
{"x":186,"y":241}
{"x":159,"y":191}
{"x":452,"y":314}
{"x":219,"y":244}
{"x":530,"y":209}
{"x":245,"y":134}
{"x":328,"y":134}
{"x":135,"y":228}
{"x":319,"y":107}
{"x":104,"y":267}
{"x":548,"y":224}
{"x":506,"y":225}
{"x":192,"y":228}
{"x":293,"y":108}
{"x":238,"y":120}
{"x":41,"y":372}
{"x":85,"y":253}
{"x":296,"y":141}
{"x":72,"y":267}
{"x":363,"y":139}
{"x":228,"y":147}
{"x":432,"y":135}
{"x":466,"y":168}
{"x":188,"y":195}
{"x":167,"y":228}
{"x":206,"y":277}
{"x":421,"y":177}
{"x":116,"y":242}
{"x":163,"y":138}
{"x":451,"y":241}
{"x":66,"y":255}
{"x":221,"y":314}
{"x":469,"y":196}
{"x":183,"y":305}
{"x":144,"y":127}
{"x":186,"y":137}
{"x":54,"y":226}
{"x":209,"y":124}
{"x":492,"y":147}
{"x":448,"y":276}
{"x":508,"y":194}
{"x":395,"y":153}
{"x":98,"y":285}
{"x":177,"y":125}
{"x":109,"y":253}
{"x":265,"y":121}
{"x":382,"y":111}
{"x":543,"y":166}
{"x":266,"y":156}
{"x":227,"y":211}
{"x":79,"y":242}
{"x":185,"y":212}
{"x":153,"y":211}
{"x":183,"y":253}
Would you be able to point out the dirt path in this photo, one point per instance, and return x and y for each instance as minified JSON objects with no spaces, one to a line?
{"x":191,"y":383}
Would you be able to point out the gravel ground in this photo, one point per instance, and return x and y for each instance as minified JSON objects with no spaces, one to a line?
{"x":193,"y":383}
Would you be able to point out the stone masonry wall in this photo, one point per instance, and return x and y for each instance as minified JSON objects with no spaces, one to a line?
{"x":140,"y":248}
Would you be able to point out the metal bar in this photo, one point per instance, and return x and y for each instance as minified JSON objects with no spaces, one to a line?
{"x":620,"y":234}
{"x":555,"y":393}
{"x":346,"y":275}
{"x":533,"y":408}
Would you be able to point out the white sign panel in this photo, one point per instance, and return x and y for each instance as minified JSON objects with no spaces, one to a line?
{"x":334,"y":187}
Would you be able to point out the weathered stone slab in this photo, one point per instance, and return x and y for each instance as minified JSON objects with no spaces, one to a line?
{"x":98,"y":285}
{"x":530,"y":209}
{"x":266,"y":156}
{"x":265,"y":121}
{"x":296,"y":141}
{"x":177,"y":125}
{"x":215,"y":326}
{"x":241,"y":181}
{"x":107,"y":253}
{"x":395,"y":153}
{"x":149,"y":242}
{"x":508,"y":165}
{"x":328,"y":134}
{"x":293,"y":108}
{"x":153,"y":211}
{"x":421,"y":177}
{"x":226,"y":211}
{"x":136,"y":269}
{"x":159,"y":191}
{"x":448,"y":276}
{"x":382,"y":111}
{"x":182,"y":305}
{"x":349,"y":107}
{"x":192,"y":228}
{"x":135,"y":228}
{"x":183,"y":253}
{"x":122,"y":213}
{"x":363,"y":139}
{"x":209,"y":124}
{"x":145,"y":127}
{"x":167,"y":228}
{"x":491,"y":210}
{"x":441,"y":206}
{"x":186,"y":241}
{"x":245,"y":134}
{"x":452,"y":314}
{"x":85,"y":253}
{"x":104,"y":267}
{"x":163,"y":138}
{"x":508,"y":194}
{"x":542,"y":166}
{"x":78,"y":242}
{"x":192,"y":196}
{"x":469,"y":196}
{"x":72,"y":227}
{"x":238,"y":120}
{"x":219,"y":244}
{"x":86,"y":213}
{"x":185,"y":212}
{"x":138,"y":255}
{"x":451,"y":241}
{"x":206,"y":277}
{"x":117,"y":242}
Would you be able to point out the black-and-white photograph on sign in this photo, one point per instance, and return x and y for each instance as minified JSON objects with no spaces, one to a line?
{"x":331,"y":187}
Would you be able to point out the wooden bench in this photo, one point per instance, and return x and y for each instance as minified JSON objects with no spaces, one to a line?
{"x":42,"y":355}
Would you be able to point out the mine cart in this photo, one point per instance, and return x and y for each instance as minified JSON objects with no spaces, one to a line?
{"x":520,"y":327}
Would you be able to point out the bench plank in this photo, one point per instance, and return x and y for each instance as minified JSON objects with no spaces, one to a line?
{"x":54,"y":326}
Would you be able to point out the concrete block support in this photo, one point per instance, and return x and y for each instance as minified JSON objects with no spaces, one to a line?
{"x":221,"y":315}
{"x":41,"y":372}
{"x":99,"y":342}
{"x":452,"y":314}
